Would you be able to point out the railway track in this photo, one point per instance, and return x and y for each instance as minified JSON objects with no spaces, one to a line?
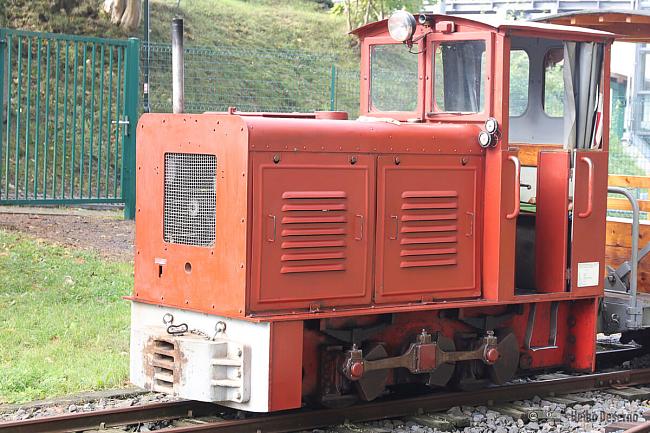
{"x":319,"y":418}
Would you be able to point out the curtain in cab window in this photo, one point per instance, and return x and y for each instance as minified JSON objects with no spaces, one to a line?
{"x":583,"y":110}
{"x":393,"y":78}
{"x":460,"y":76}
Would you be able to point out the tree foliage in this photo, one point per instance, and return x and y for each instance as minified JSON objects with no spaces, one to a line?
{"x":361,"y":12}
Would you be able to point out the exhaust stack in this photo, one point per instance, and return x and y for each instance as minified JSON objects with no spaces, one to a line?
{"x":178,"y":67}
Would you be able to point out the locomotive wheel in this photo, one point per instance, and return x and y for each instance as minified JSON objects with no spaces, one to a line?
{"x":441,"y":375}
{"x":506,"y":366}
{"x":373,"y":383}
{"x":335,"y":391}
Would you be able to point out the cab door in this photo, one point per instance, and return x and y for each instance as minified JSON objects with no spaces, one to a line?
{"x":428,"y":227}
{"x":589,"y":219}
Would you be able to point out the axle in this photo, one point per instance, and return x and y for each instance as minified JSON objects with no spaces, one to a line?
{"x":423,"y":356}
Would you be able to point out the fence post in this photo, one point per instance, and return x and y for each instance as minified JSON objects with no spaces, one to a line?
{"x":146,"y":107}
{"x":4,"y":94}
{"x":3,"y":78}
{"x":333,"y":89}
{"x":132,"y":92}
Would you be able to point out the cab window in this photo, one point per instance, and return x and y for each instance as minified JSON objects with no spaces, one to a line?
{"x":393,"y":78}
{"x":460,"y":71}
{"x":519,"y":79}
{"x":554,"y":82}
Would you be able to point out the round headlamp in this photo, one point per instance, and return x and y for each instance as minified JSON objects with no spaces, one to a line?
{"x":491,"y":125}
{"x":401,"y":26}
{"x":484,"y":139}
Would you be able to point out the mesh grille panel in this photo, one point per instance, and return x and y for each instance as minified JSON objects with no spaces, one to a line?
{"x":190,"y":199}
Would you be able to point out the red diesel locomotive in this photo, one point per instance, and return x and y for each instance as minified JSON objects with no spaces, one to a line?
{"x":440,"y":239}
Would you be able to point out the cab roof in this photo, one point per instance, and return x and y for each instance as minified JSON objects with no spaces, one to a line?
{"x":497,"y":25}
{"x":626,"y":25}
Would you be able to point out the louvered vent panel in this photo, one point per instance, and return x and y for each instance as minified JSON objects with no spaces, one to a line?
{"x":428,"y":229}
{"x":313,"y":228}
{"x":190,"y":199}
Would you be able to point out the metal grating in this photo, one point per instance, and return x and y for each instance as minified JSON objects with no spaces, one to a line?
{"x":429,"y":229}
{"x":190,"y":199}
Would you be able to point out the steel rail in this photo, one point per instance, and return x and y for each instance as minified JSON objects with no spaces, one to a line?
{"x":110,"y":417}
{"x":319,"y":418}
{"x":312,"y":419}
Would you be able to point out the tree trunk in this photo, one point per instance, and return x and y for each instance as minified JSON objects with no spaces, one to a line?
{"x":115,"y":8}
{"x":366,"y":16}
{"x":126,"y":13}
{"x":377,"y":13}
{"x":131,"y":18}
{"x":348,"y":11}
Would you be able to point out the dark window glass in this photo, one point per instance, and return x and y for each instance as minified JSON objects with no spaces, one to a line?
{"x":460,"y":76}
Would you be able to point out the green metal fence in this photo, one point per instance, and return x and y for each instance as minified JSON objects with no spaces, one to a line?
{"x":67,"y":119}
{"x":254,"y":79}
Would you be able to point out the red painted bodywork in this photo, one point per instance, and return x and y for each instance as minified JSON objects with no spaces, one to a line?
{"x":340,"y":223}
{"x":552,"y":221}
{"x":428,"y":227}
{"x":300,"y":233}
{"x":590,"y":210}
{"x":285,"y":387}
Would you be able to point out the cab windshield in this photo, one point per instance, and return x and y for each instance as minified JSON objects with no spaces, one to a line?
{"x":459,"y":77}
{"x":393,"y":78}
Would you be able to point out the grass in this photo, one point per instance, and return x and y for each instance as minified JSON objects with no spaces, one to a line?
{"x":64,"y":326}
{"x":263,"y":55}
{"x":297,"y":24}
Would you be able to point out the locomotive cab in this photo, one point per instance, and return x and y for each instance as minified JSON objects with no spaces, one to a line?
{"x":538,"y":97}
{"x":452,"y":235}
